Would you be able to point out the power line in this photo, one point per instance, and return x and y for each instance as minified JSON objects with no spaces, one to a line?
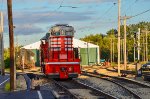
{"x":70,"y":6}
{"x":131,"y":5}
{"x":106,"y":12}
{"x":62,"y":2}
{"x":140,"y":13}
{"x":55,"y":10}
{"x":60,"y":5}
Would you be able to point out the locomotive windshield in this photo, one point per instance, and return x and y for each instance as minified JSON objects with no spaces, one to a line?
{"x":62,"y":33}
{"x":70,"y":33}
{"x":62,"y":30}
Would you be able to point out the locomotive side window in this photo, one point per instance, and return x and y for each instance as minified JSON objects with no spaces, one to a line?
{"x":57,"y":33}
{"x":68,"y":33}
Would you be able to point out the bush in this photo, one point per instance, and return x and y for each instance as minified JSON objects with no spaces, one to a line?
{"x":7,"y":86}
{"x":7,"y":62}
{"x":113,"y":64}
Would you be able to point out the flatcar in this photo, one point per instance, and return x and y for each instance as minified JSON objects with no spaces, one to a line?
{"x":59,"y":59}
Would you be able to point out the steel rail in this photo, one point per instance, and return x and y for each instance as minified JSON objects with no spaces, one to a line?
{"x":107,"y":96}
{"x":121,"y":78}
{"x":72,"y":96}
{"x":101,"y":77}
{"x":103,"y":94}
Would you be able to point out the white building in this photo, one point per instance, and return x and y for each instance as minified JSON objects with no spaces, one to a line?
{"x":89,"y":53}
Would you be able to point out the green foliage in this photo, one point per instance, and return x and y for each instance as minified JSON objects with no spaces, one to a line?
{"x":104,"y":41}
{"x":113,"y":64}
{"x":7,"y":56}
{"x":7,"y":62}
{"x":7,"y":86}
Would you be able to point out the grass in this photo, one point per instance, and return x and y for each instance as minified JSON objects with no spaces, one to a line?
{"x":7,"y":70}
{"x":113,"y":64}
{"x":142,"y":62}
{"x":7,"y":87}
{"x":133,"y":70}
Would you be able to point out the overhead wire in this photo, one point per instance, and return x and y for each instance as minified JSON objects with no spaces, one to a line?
{"x":140,"y":13}
{"x":55,"y":10}
{"x":59,"y":5}
{"x":131,"y":5}
{"x":106,"y":12}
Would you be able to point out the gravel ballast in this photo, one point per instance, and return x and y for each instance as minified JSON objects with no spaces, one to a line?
{"x":106,"y":86}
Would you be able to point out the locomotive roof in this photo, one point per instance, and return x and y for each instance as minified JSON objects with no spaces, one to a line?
{"x":58,"y":27}
{"x":45,"y":37}
{"x":61,"y":25}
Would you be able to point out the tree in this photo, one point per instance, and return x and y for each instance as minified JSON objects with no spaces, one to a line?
{"x":103,"y":41}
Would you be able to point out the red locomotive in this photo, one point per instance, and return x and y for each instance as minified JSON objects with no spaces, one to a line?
{"x":59,"y":59}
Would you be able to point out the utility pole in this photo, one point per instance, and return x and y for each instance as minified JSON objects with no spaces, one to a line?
{"x":11,"y":43}
{"x":125,"y":50}
{"x":125,"y":42}
{"x":139,"y":44}
{"x":122,"y":49}
{"x":113,"y":50}
{"x":143,"y":48}
{"x":146,"y":43}
{"x":2,"y":43}
{"x":134,"y":49}
{"x":17,"y":43}
{"x":121,"y":54}
{"x":146,"y":47}
{"x":119,"y":6}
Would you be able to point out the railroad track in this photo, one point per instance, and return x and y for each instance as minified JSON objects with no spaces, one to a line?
{"x":72,"y":89}
{"x":78,"y":90}
{"x":139,"y":90}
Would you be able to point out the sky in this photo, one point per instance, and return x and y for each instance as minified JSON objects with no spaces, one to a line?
{"x":33,"y":18}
